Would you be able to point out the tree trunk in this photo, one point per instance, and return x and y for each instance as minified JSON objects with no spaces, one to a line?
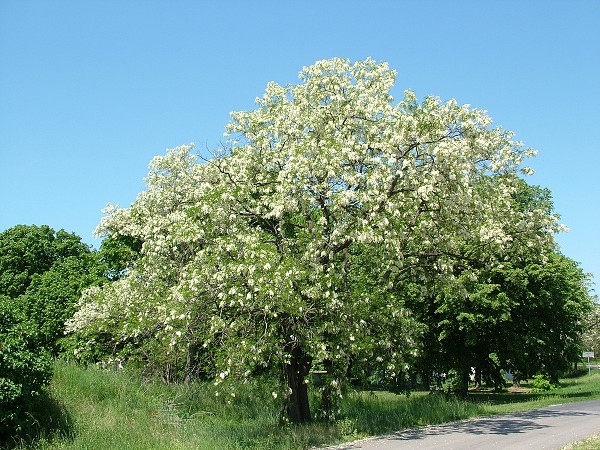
{"x":327,"y":400}
{"x":167,"y":376}
{"x":297,"y":406}
{"x":191,"y":362}
{"x":478,"y":378}
{"x":463,"y":382}
{"x":426,"y":379}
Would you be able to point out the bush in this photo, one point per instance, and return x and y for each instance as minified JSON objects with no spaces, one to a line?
{"x":541,"y":383}
{"x":452,"y":383}
{"x":24,"y":369}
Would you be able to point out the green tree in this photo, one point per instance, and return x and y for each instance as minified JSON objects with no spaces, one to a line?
{"x":25,"y":367}
{"x":45,"y":271}
{"x":527,"y":317}
{"x":24,"y":251}
{"x":548,"y":320}
{"x":42,"y":274}
{"x":27,"y":250}
{"x":591,"y":336}
{"x":51,"y":296}
{"x":523,"y":313}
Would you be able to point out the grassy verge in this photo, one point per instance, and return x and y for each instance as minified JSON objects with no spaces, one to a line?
{"x":591,"y":443}
{"x":571,"y":390}
{"x":95,"y":409}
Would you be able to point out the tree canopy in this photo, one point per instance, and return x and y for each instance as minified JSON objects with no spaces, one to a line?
{"x":27,"y":250}
{"x":42,"y":274}
{"x":522,"y":314}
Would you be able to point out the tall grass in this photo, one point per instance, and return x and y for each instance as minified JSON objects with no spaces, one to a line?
{"x":98,"y":409}
{"x":381,"y":412}
{"x":109,"y":410}
{"x":584,"y":387}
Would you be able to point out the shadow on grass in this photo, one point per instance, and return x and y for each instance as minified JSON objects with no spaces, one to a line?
{"x":45,"y":419}
{"x":498,"y":398}
{"x":373,"y":414}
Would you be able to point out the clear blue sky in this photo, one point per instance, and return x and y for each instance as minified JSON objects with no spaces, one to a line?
{"x":90,"y":91}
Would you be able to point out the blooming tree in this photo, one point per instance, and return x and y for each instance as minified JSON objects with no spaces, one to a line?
{"x":591,"y":336}
{"x":286,"y":249}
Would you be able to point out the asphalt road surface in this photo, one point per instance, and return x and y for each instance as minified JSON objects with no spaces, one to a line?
{"x":547,"y":428}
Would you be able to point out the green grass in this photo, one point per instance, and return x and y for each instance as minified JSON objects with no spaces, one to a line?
{"x":96,"y":409}
{"x":591,"y":443}
{"x":584,"y":387}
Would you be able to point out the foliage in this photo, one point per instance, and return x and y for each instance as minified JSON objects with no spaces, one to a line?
{"x":591,"y":335}
{"x":45,"y":272}
{"x":523,"y":314}
{"x":24,"y":368}
{"x":42,"y":274}
{"x":452,"y":383}
{"x":540,"y":383}
{"x":26,"y":250}
{"x":548,"y":323}
{"x":116,"y":255}
{"x":50,"y":298}
{"x":287,"y":249}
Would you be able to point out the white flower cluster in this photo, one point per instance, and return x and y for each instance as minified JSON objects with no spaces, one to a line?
{"x":298,"y":233}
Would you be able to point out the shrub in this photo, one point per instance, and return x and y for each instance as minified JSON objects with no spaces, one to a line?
{"x":541,"y":383}
{"x":452,"y":383}
{"x":24,"y":368}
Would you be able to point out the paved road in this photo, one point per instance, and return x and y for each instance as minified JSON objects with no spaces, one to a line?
{"x":547,"y":428}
